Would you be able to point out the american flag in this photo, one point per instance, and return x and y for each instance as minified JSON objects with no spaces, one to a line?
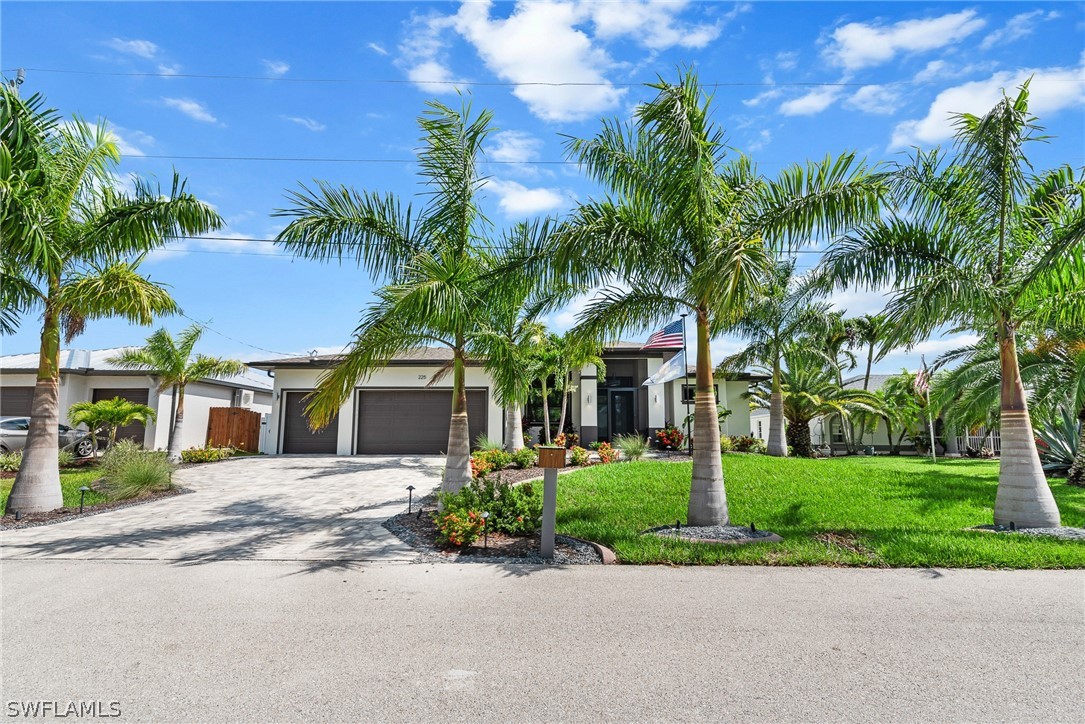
{"x":667,"y":338}
{"x":923,"y":379}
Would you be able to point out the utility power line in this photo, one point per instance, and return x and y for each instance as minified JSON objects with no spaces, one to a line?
{"x":209,"y":328}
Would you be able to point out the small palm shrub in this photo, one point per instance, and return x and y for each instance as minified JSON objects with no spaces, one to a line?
{"x":129,"y":471}
{"x":524,"y":458}
{"x":633,"y":446}
{"x":1059,"y":438}
{"x":206,"y":454}
{"x":579,"y":456}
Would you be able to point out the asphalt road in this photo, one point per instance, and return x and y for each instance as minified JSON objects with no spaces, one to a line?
{"x":262,"y":641}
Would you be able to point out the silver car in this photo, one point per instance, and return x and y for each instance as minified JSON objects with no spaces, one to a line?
{"x":13,"y":431}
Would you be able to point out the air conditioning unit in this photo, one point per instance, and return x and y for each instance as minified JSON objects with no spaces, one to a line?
{"x":246,"y":398}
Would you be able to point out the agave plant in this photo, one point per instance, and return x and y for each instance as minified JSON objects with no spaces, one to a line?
{"x":1059,"y":439}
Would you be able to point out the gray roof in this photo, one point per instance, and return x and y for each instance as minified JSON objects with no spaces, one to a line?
{"x":96,"y":361}
{"x":876,"y":382}
{"x":425,"y":355}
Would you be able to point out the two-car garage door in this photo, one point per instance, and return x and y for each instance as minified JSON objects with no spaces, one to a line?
{"x":387,"y":422}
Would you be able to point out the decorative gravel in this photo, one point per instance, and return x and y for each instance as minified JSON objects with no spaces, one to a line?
{"x":715,"y":533}
{"x":1063,"y":532}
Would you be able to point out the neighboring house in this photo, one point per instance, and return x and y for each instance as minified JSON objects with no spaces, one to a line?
{"x":86,"y":375}
{"x":396,"y":411}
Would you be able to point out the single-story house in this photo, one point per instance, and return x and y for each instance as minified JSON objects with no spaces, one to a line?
{"x":86,"y":375}
{"x":395,"y":411}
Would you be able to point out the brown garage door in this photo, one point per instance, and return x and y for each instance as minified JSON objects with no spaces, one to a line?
{"x":15,"y":401}
{"x":139,"y":395}
{"x":413,"y":421}
{"x":297,"y":437}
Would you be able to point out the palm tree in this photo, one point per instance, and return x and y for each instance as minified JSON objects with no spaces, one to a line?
{"x":870,"y":331}
{"x":108,"y":416}
{"x":809,"y":391}
{"x":72,"y":248}
{"x":981,"y":242}
{"x":686,"y":232}
{"x":436,"y":281}
{"x":785,"y":310}
{"x":902,"y":407}
{"x":172,"y":361}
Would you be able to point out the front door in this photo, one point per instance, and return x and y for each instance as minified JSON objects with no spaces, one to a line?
{"x":622,"y":413}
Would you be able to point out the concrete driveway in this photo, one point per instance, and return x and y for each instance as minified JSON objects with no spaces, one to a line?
{"x":286,"y":508}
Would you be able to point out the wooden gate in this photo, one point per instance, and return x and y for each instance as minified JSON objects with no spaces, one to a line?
{"x":235,"y":427}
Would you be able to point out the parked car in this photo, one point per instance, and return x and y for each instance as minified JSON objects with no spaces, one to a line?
{"x":13,"y":431}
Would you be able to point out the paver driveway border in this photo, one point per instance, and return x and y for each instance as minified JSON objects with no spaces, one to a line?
{"x":284,"y":507}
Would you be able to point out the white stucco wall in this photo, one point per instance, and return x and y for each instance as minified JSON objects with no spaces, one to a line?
{"x":414,"y":376}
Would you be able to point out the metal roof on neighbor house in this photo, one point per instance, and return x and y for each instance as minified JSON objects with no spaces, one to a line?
{"x":95,"y":362}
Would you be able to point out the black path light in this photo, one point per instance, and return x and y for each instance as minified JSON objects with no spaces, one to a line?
{"x":410,"y":498}
{"x":82,"y":493}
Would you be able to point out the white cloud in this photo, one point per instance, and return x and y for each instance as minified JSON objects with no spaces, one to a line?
{"x":857,"y":302}
{"x":1017,"y":27}
{"x":514,"y":146}
{"x":878,"y":99}
{"x":131,"y":143}
{"x":934,"y":347}
{"x":763,"y":139}
{"x":377,"y":48}
{"x":787,"y":60}
{"x":142,"y":48}
{"x":515,"y":199}
{"x":763,"y":96}
{"x":1051,"y":90}
{"x":514,"y":49}
{"x":813,"y":102}
{"x":860,"y":45}
{"x":653,"y":24}
{"x":424,"y":55}
{"x":169,"y":69}
{"x":276,"y":67}
{"x":308,"y":123}
{"x":193,"y":109}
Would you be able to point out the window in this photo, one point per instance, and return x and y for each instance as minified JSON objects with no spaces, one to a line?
{"x":690,"y":391}
{"x":836,"y":432}
{"x":20,"y":424}
{"x":759,"y":429}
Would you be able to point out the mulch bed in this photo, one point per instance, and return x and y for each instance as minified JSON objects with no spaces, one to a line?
{"x":420,"y":532}
{"x":61,"y":515}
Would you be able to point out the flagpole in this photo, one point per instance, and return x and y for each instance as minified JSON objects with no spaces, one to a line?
{"x":685,"y":386}
{"x":927,"y":394}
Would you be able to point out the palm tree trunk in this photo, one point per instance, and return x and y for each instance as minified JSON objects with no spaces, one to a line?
{"x":37,"y":485}
{"x":798,"y":437}
{"x":777,"y":446}
{"x":514,"y":427}
{"x":458,"y":459}
{"x":546,"y":413}
{"x":174,"y":454}
{"x":1024,"y":497}
{"x":564,"y":405}
{"x":707,"y":494}
{"x":173,"y":416}
{"x":1076,"y":476}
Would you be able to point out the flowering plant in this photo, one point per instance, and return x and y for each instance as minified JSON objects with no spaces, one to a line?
{"x":579,"y":456}
{"x":670,"y":437}
{"x":459,"y":528}
{"x":607,"y":454}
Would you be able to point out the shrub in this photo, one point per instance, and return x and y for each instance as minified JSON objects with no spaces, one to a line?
{"x":593,"y":445}
{"x":65,"y":458}
{"x":134,"y":475}
{"x":670,"y":437}
{"x":458,"y":528}
{"x":725,"y":444}
{"x":486,"y":443}
{"x":484,"y":462}
{"x":10,"y":462}
{"x":579,"y":456}
{"x":1059,"y":440}
{"x":606,"y":453}
{"x":513,"y":509}
{"x":748,"y":444}
{"x":480,"y":467}
{"x":524,"y":458}
{"x":633,"y":446}
{"x":206,"y":454}
{"x":560,"y":440}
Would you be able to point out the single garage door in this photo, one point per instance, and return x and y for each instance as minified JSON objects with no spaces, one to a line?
{"x":413,"y":421}
{"x":136,"y":431}
{"x":15,"y":401}
{"x":297,"y":437}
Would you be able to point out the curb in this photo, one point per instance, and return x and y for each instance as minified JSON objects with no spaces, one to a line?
{"x":604,"y":553}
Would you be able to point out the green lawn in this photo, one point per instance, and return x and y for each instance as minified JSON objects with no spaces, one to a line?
{"x":842,"y":511}
{"x":70,"y":482}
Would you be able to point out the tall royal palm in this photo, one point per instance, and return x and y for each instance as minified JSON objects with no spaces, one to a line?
{"x":982,"y":243}
{"x":72,"y":245}
{"x":784,"y":311}
{"x":430,"y":260}
{"x":175,"y":365}
{"x":683,"y":231}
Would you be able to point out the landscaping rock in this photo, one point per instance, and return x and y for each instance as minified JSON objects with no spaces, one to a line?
{"x":732,"y":534}
{"x":1063,"y":532}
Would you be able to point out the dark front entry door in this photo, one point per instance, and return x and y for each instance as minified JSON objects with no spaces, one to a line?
{"x":622,"y":412}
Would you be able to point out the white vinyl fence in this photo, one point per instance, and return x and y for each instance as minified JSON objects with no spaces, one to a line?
{"x":982,"y":438}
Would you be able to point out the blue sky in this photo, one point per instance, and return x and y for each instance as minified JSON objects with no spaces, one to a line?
{"x":346,"y":81}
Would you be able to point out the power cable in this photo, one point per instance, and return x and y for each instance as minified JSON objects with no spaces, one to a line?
{"x":209,"y":328}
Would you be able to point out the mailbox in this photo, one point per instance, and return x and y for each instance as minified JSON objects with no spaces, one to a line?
{"x":551,"y":456}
